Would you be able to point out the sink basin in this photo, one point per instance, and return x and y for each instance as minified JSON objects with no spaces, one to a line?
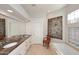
{"x":10,"y":45}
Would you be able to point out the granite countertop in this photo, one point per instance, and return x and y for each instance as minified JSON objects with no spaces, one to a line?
{"x":19,"y":39}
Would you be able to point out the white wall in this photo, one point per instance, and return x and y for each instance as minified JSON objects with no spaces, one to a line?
{"x":57,"y":13}
{"x":36,"y":30}
{"x":45,"y":25}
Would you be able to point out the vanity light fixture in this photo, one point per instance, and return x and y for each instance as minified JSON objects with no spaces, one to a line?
{"x":10,"y":11}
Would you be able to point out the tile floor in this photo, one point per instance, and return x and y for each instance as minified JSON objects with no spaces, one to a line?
{"x":37,"y":49}
{"x":65,"y":49}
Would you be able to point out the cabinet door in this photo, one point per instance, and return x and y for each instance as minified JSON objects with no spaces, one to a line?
{"x":21,"y":49}
{"x":28,"y":44}
{"x":15,"y":51}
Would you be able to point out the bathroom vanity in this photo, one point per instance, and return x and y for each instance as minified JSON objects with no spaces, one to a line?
{"x":21,"y":48}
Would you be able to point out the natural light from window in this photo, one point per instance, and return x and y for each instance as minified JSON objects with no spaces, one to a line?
{"x":73,"y":17}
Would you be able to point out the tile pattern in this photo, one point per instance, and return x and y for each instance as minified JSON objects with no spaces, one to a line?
{"x":65,"y":49}
{"x":37,"y":49}
{"x":55,"y":27}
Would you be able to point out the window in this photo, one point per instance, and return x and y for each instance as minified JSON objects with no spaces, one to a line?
{"x":73,"y":30}
{"x":73,"y":17}
{"x":73,"y":36}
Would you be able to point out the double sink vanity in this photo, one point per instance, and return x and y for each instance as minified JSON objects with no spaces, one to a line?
{"x":15,"y":45}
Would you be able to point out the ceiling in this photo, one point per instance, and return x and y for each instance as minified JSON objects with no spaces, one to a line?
{"x":33,"y":10}
{"x":36,"y":10}
{"x":16,"y":14}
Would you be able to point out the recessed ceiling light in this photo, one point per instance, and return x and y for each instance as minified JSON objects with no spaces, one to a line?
{"x":9,"y":10}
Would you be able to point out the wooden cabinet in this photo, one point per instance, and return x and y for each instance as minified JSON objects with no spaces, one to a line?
{"x":22,"y":48}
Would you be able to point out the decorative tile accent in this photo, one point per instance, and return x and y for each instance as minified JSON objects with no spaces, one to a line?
{"x":55,"y":27}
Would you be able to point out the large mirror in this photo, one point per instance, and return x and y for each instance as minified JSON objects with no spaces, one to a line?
{"x":2,"y":28}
